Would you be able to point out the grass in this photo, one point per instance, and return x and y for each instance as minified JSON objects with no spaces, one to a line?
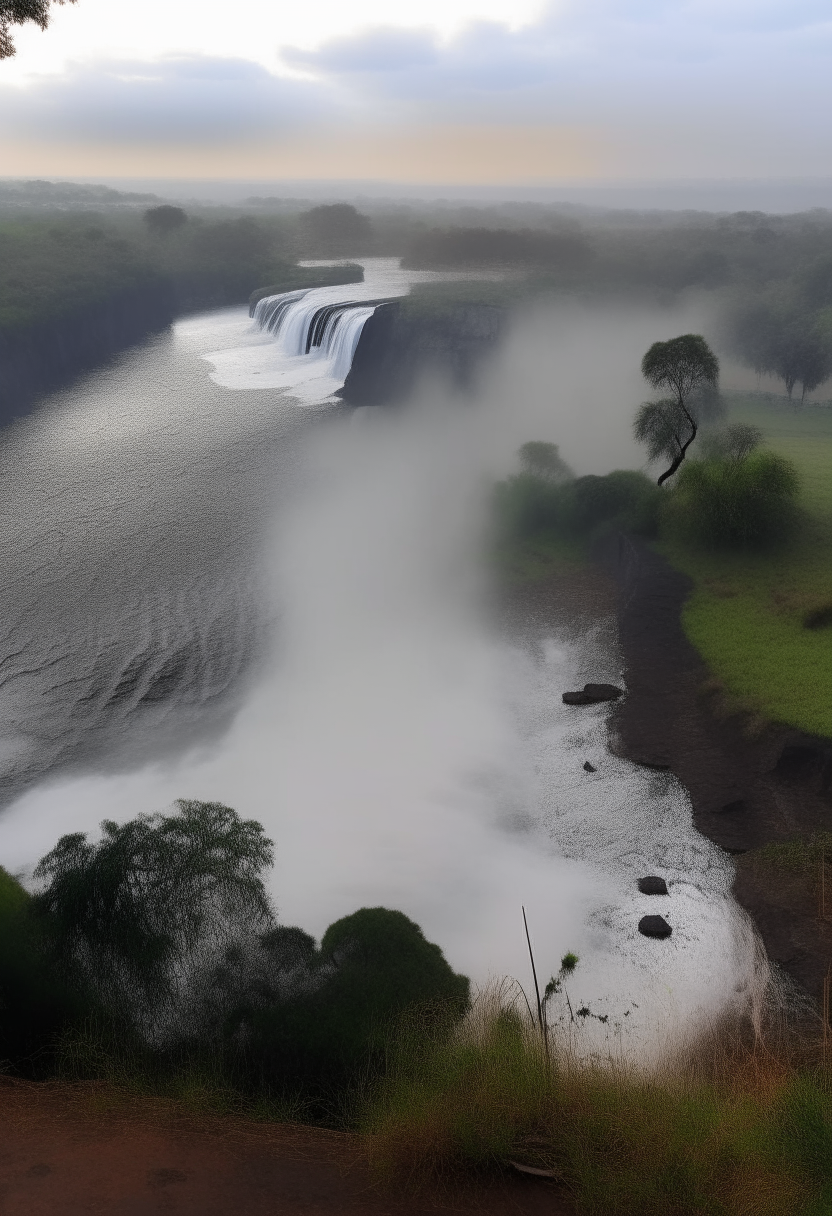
{"x":748,"y":612}
{"x":729,"y":1126}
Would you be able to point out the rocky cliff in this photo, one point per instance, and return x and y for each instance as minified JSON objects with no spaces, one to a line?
{"x":401,"y":343}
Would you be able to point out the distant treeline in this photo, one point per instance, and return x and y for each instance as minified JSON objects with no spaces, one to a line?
{"x":77,"y":287}
{"x":771,"y":275}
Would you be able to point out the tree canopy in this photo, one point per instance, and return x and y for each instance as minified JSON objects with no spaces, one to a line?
{"x":544,"y":460}
{"x":133,"y":914}
{"x":165,"y":219}
{"x":690,"y":370}
{"x":18,"y":12}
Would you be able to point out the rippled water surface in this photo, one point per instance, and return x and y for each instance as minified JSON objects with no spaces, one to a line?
{"x":234,"y":593}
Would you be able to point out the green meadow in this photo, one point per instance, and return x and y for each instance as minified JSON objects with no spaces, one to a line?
{"x":748,"y":612}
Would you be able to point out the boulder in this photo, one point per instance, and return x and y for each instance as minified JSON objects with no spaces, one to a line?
{"x":592,"y":694}
{"x":651,"y":885}
{"x":654,"y":926}
{"x":589,"y":768}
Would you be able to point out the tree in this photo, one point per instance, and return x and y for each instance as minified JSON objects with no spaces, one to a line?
{"x":688,"y":367}
{"x":780,"y":338}
{"x":18,"y":12}
{"x":135,"y":914}
{"x":336,"y":228}
{"x":165,"y":219}
{"x":544,"y":460}
{"x":733,"y":443}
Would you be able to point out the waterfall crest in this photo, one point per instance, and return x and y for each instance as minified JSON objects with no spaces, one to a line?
{"x":303,"y":325}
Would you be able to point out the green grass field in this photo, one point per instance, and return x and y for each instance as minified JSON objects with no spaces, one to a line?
{"x":746,"y":613}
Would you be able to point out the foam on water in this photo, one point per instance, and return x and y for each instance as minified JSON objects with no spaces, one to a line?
{"x":271,"y":351}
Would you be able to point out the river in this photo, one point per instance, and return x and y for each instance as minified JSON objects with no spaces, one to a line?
{"x":217,"y":586}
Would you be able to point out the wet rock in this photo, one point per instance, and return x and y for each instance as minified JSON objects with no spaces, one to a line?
{"x":652,"y":885}
{"x":654,"y":926}
{"x":592,"y":694}
{"x":589,"y":768}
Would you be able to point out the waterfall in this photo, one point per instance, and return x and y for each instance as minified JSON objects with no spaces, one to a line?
{"x":304,"y":324}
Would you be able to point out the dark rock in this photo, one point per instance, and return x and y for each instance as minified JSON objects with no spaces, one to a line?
{"x":654,"y":926}
{"x":589,"y":768}
{"x":738,"y":804}
{"x":400,"y":344}
{"x":592,"y":694}
{"x":652,"y":885}
{"x":603,"y":692}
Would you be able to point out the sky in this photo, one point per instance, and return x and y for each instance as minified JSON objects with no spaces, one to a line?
{"x":464,"y":92}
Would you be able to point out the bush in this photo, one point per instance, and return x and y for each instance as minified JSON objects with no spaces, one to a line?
{"x":34,"y":1005}
{"x":623,"y":500}
{"x":372,"y":966}
{"x":527,"y":505}
{"x":736,"y":503}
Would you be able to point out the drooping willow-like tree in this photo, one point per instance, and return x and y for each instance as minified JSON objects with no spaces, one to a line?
{"x":690,"y":370}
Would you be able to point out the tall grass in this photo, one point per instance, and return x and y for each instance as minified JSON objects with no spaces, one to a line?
{"x":733,"y":1125}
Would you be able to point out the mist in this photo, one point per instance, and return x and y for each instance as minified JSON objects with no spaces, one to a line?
{"x":404,"y":749}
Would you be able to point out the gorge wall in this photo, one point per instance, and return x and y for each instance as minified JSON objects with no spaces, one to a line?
{"x":41,"y":357}
{"x":402,"y":342}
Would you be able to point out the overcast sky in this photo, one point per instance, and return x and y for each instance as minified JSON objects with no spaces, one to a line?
{"x":467,"y":91}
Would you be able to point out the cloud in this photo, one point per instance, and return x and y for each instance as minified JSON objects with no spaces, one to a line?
{"x":668,"y":87}
{"x":193,"y":99}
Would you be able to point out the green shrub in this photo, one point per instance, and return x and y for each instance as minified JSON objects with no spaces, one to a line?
{"x":529,"y":505}
{"x":623,"y":500}
{"x":736,"y":503}
{"x":372,"y":966}
{"x":526,"y":505}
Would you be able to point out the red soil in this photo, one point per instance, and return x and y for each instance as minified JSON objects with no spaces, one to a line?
{"x":67,"y":1150}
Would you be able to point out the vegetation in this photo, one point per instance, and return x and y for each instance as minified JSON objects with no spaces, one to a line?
{"x":18,"y":12}
{"x":152,"y":956}
{"x":688,"y":367}
{"x":373,"y":1031}
{"x":482,"y":247}
{"x":759,"y":614}
{"x":750,"y":522}
{"x":730,"y":502}
{"x":52,"y":267}
{"x":728,"y":1126}
{"x":788,"y":332}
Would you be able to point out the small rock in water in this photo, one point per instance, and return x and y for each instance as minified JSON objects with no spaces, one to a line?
{"x":590,"y":768}
{"x":603,"y":692}
{"x":654,"y":926}
{"x":592,"y":694}
{"x":652,"y":885}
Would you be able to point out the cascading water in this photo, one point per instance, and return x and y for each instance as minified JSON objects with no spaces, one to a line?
{"x":303,"y":342}
{"x":303,"y":325}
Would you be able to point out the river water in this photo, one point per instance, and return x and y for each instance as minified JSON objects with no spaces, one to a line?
{"x":220,"y":591}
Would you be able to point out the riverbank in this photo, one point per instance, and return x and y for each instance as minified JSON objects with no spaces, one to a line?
{"x":752,"y":785}
{"x":755,"y":787}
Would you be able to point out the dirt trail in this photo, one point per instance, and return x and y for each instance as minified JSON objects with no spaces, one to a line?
{"x":67,"y":1150}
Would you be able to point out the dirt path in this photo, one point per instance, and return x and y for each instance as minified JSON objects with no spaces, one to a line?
{"x":68,"y":1150}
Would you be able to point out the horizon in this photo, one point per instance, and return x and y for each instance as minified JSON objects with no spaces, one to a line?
{"x":469,"y":93}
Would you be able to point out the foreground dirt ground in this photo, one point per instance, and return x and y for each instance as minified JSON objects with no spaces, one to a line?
{"x":67,"y":1150}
